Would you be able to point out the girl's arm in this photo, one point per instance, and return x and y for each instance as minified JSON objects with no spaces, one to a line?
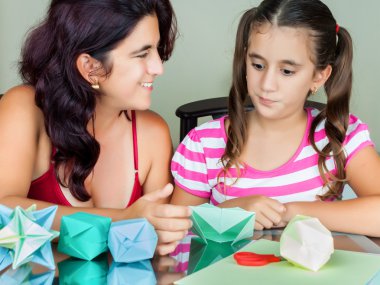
{"x":360,"y":215}
{"x":268,"y":211}
{"x":181,"y":197}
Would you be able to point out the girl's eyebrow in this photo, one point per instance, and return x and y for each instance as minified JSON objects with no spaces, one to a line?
{"x":254,"y":55}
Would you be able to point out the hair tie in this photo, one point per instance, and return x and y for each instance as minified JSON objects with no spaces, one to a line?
{"x":337,"y":28}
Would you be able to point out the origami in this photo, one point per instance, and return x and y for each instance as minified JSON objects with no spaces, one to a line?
{"x":132,"y":240}
{"x":222,"y":224}
{"x":75,"y":271}
{"x":84,"y":235}
{"x":136,"y":273}
{"x":27,"y":236}
{"x":203,"y":255}
{"x":306,"y":243}
{"x":23,"y":276}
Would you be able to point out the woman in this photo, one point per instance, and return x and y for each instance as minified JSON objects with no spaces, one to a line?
{"x":78,"y":134}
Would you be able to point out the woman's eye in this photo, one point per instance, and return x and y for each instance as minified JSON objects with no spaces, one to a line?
{"x":143,"y":55}
{"x":258,"y":66}
{"x":287,"y":72}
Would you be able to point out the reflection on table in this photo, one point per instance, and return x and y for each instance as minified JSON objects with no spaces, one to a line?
{"x":191,"y":255}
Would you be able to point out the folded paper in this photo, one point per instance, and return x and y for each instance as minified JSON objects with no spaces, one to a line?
{"x":27,"y":236}
{"x":344,"y":267}
{"x":132,"y":240}
{"x":5,"y":255}
{"x":203,"y":255}
{"x":306,"y":243}
{"x":222,"y":224}
{"x":84,"y":235}
{"x":24,"y":276}
{"x":135,"y":273}
{"x":75,"y":271}
{"x":375,"y":280}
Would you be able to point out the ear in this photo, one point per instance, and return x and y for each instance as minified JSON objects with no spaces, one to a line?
{"x":320,"y":77}
{"x":89,"y":68}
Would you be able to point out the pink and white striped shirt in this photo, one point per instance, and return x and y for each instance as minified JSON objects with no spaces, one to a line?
{"x":196,"y":165}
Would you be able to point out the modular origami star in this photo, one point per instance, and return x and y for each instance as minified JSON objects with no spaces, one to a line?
{"x":84,"y":235}
{"x":135,"y":273}
{"x":132,"y":240}
{"x":5,"y":255}
{"x":27,"y":236}
{"x":75,"y":271}
{"x":306,"y":243}
{"x":23,"y":276}
{"x":222,"y":224}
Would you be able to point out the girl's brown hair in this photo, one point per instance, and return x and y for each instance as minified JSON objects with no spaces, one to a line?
{"x":330,"y":46}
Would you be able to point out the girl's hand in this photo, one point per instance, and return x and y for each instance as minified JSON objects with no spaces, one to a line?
{"x":269,"y":212}
{"x":170,"y":221}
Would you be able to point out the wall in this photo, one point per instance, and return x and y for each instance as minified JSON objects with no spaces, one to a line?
{"x":201,"y":64}
{"x":16,"y":18}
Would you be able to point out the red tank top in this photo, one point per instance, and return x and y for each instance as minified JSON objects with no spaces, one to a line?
{"x":46,"y":187}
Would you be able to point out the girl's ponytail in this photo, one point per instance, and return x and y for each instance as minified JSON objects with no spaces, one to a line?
{"x":338,"y":90}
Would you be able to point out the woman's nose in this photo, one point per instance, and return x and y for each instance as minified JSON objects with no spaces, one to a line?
{"x":155,"y":65}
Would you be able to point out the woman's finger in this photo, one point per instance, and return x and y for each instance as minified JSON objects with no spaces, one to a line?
{"x":166,"y":248}
{"x":171,"y":225}
{"x":167,"y":237}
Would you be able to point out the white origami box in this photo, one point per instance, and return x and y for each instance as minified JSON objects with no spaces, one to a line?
{"x":306,"y":243}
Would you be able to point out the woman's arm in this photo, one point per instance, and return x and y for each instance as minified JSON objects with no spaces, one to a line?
{"x":21,"y":125}
{"x":155,"y":147}
{"x":360,"y":215}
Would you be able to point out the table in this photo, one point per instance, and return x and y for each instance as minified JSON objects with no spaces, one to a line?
{"x":165,"y":270}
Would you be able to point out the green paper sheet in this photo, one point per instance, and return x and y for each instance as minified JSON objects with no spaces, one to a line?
{"x":344,"y":267}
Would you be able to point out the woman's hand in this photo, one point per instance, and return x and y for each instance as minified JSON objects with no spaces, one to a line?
{"x":164,"y":266}
{"x":269,"y":212}
{"x":170,"y":221}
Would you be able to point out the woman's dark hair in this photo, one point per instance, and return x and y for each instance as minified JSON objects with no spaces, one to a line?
{"x":330,"y":46}
{"x":73,"y":27}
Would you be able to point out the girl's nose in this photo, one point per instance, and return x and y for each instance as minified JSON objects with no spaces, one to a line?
{"x":269,"y":81}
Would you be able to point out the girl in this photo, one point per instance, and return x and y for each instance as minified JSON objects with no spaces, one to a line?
{"x":282,"y":159}
{"x":78,"y":133}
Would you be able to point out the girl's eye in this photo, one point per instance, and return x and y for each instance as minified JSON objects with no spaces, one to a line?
{"x":258,"y":66}
{"x":287,"y":72}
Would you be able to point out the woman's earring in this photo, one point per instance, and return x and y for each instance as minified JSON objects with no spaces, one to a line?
{"x":314,"y":91}
{"x":94,"y":82}
{"x":95,"y":86}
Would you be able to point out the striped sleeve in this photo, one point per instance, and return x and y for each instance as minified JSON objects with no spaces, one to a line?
{"x":189,"y":167}
{"x":357,"y":137}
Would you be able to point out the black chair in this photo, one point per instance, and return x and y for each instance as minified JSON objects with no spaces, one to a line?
{"x":214,"y":107}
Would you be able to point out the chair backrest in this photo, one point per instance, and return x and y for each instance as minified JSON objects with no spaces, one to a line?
{"x":215,"y":107}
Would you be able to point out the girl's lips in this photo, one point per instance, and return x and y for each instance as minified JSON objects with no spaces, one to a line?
{"x":266,"y":102}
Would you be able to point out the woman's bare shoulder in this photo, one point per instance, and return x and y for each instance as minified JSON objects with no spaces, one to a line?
{"x":18,"y":103}
{"x":151,"y":124}
{"x":21,"y":94}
